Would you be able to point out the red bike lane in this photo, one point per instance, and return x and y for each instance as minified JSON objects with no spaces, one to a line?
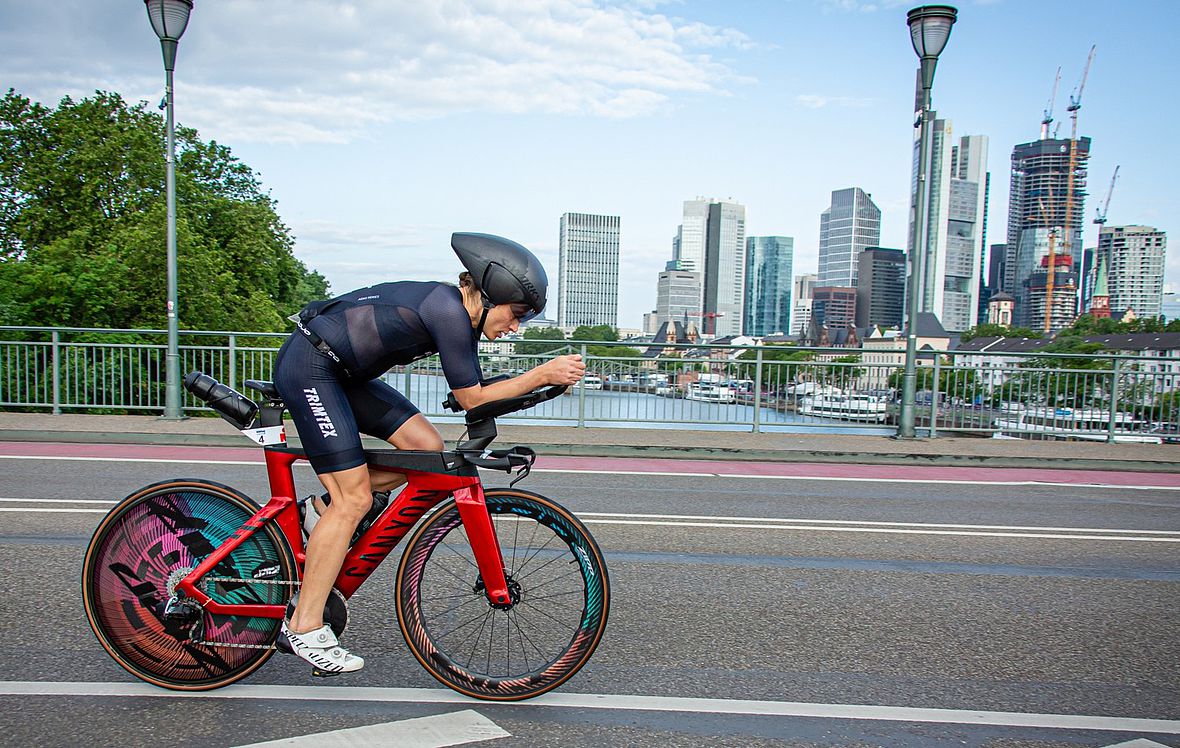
{"x":645,"y":465}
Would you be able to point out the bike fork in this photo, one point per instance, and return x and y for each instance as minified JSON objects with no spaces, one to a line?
{"x":473,"y":510}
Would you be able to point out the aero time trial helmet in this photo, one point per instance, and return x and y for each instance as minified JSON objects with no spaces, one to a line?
{"x":502,"y":270}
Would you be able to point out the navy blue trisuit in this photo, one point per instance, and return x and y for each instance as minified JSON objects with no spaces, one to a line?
{"x":334,"y":395}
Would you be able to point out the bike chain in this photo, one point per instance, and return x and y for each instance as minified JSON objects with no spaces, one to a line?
{"x":234,"y":645}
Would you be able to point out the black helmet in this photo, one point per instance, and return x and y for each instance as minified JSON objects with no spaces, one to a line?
{"x":503,"y":271}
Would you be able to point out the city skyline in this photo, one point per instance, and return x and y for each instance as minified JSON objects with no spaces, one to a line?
{"x":376,"y":146}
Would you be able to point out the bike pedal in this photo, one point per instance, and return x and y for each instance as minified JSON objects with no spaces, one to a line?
{"x":315,"y":671}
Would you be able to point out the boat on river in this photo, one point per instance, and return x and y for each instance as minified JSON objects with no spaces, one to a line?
{"x":1088,"y":424}
{"x":707,"y":392}
{"x":845,"y":407}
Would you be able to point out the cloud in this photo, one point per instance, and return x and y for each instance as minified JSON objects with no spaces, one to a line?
{"x":859,"y":6}
{"x":815,"y":101}
{"x":320,"y":71}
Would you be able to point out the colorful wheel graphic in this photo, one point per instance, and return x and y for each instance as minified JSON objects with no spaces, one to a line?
{"x":557,"y":580}
{"x":145,"y":546}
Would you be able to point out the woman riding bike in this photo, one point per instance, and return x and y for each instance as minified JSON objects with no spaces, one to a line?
{"x":328,"y":374}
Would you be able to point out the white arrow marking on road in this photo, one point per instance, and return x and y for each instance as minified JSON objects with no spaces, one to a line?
{"x":1139,"y":743}
{"x":457,"y":728}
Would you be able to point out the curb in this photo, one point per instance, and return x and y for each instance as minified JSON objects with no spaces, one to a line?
{"x":680,"y":453}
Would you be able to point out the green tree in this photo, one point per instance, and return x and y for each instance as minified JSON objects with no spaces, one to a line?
{"x":776,"y":352}
{"x":551,"y":334}
{"x":83,"y":224}
{"x":595,"y":332}
{"x":953,"y":382}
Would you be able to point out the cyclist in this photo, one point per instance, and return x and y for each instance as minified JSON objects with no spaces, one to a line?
{"x":327,"y":373}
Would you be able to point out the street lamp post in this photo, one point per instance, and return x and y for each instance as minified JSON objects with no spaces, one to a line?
{"x":169,"y":19}
{"x":930,"y":27}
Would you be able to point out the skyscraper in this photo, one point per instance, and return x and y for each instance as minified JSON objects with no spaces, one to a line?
{"x":880,"y":287}
{"x":1134,"y":259}
{"x":678,"y":298}
{"x":769,"y":261}
{"x":1041,"y":203}
{"x":801,"y":292}
{"x":957,"y":184}
{"x":588,"y":270}
{"x":834,"y":306}
{"x":711,"y":240}
{"x":850,"y":224}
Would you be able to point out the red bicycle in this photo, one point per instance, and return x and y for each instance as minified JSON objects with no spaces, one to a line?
{"x":501,"y":594}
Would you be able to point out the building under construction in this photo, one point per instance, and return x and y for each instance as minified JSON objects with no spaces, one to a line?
{"x":1045,"y":215}
{"x":1064,"y":298}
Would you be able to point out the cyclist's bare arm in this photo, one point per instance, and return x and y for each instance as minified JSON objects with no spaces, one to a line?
{"x":565,"y":370}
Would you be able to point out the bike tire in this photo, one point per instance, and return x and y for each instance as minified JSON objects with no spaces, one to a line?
{"x":151,"y":537}
{"x":563,"y":598}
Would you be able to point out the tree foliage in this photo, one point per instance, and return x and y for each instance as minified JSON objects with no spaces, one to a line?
{"x":554,"y":336}
{"x":83,"y":224}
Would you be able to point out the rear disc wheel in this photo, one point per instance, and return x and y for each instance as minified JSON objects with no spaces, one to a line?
{"x":145,"y":546}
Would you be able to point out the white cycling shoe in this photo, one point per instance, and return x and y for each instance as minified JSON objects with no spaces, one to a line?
{"x":321,"y":648}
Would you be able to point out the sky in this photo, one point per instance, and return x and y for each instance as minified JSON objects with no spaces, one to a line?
{"x":380,"y":127}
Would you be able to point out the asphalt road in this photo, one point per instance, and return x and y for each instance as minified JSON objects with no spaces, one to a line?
{"x":756,"y":593}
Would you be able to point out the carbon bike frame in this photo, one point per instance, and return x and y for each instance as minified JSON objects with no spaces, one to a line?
{"x":424,"y":490}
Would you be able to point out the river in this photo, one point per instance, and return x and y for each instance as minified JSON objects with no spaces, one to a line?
{"x":603,"y":408}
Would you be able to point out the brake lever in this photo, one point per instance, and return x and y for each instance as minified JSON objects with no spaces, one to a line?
{"x":521,"y":474}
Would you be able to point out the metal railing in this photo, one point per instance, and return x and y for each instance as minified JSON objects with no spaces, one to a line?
{"x":701,"y":386}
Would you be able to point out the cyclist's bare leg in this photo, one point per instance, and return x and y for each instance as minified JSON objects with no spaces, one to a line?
{"x":352,"y":491}
{"x":417,"y":433}
{"x":351,"y":498}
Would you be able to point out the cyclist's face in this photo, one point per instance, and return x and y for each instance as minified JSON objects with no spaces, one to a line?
{"x":505,"y":318}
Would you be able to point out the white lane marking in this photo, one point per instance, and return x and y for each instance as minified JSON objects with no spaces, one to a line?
{"x":612,"y":701}
{"x":58,"y":501}
{"x":31,"y":510}
{"x":798,"y":524}
{"x":878,"y":530}
{"x":456,"y":728}
{"x":1138,"y":743}
{"x":745,"y":476}
{"x":842,"y":479}
{"x":867,"y":522}
{"x":133,"y":459}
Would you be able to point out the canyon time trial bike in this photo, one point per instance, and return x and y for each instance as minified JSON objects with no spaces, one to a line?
{"x":501,"y":594}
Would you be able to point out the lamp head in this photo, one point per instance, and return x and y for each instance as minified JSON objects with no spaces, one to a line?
{"x":930,"y":27}
{"x":169,"y":17}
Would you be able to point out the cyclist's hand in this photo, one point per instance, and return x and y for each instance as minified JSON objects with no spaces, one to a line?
{"x":565,"y":370}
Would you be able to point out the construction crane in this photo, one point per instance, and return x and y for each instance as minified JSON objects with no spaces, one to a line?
{"x":1048,"y":118}
{"x":1100,"y":216}
{"x":1075,"y":103}
{"x":1052,"y":260}
{"x":711,"y":316}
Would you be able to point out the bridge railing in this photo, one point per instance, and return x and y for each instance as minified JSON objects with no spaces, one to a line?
{"x":760,"y":388}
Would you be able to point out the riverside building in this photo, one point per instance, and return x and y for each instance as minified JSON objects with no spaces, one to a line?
{"x":1044,"y":200}
{"x":769,"y":262}
{"x":711,"y":241}
{"x":851,"y":224}
{"x":1134,"y":259}
{"x":588,"y":270}
{"x":955,"y":215}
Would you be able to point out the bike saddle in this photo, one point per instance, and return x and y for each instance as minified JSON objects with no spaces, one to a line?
{"x":266,"y":389}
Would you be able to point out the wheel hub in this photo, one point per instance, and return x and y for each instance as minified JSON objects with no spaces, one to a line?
{"x":515,"y":592}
